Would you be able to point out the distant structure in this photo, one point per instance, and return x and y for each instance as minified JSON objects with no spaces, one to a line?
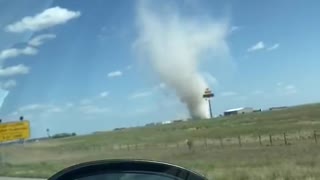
{"x":257,"y":110}
{"x":119,"y":129}
{"x":207,"y":96}
{"x":277,"y":108}
{"x":235,"y":111}
{"x":150,"y":124}
{"x":177,"y":121}
{"x":166,"y":122}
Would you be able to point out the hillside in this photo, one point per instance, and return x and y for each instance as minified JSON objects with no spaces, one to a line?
{"x":224,"y":148}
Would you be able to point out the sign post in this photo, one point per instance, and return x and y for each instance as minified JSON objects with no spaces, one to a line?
{"x":2,"y":156}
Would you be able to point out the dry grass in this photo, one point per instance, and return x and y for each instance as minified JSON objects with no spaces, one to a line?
{"x":299,"y":159}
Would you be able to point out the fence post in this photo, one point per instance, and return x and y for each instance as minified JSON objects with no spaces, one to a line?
{"x":315,"y":136}
{"x":285,"y":139}
{"x":221,"y":141}
{"x":189,"y":144}
{"x":239,"y":140}
{"x":128,"y":147}
{"x":136,"y":146}
{"x":270,"y":139}
{"x":260,"y":140}
{"x":300,"y":137}
{"x":205,"y":142}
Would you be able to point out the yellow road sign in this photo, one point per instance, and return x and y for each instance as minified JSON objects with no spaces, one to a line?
{"x":14,"y":131}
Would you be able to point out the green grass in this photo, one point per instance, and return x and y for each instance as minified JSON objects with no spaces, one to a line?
{"x":298,"y":160}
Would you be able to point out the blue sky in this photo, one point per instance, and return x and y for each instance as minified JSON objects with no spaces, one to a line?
{"x":74,"y":66}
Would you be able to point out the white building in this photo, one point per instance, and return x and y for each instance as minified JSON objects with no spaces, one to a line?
{"x":242,"y":110}
{"x":166,"y":122}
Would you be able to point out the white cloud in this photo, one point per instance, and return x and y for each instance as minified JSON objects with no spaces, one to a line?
{"x":33,"y":107}
{"x":69,"y":105}
{"x":15,"y":113}
{"x":162,"y":85}
{"x":40,"y":39}
{"x":55,"y":110}
{"x":159,"y":86}
{"x":129,"y":67}
{"x":290,"y":89}
{"x":242,"y":98}
{"x":258,"y":92}
{"x":37,"y":111}
{"x":9,"y":53}
{"x":279,"y":83}
{"x":144,"y":110}
{"x":286,"y":89}
{"x":45,"y":109}
{"x":92,"y":100}
{"x":8,"y":84}
{"x":14,"y":52}
{"x":86,"y":101}
{"x":91,"y":109}
{"x":228,"y":93}
{"x":273,"y":47}
{"x":115,"y":74}
{"x":140,"y":94}
{"x":104,"y":94}
{"x":14,"y":70}
{"x":234,"y":28}
{"x":107,"y":32}
{"x":46,"y":19}
{"x":29,"y":51}
{"x":260,"y":45}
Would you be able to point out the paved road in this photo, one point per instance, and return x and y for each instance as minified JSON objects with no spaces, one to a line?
{"x":7,"y":178}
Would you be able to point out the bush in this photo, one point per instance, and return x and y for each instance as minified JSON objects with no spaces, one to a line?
{"x":63,"y":135}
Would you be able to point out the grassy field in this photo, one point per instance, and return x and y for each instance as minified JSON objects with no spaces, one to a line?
{"x":299,"y":159}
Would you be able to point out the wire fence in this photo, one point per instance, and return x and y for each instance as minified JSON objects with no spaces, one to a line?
{"x":240,"y":141}
{"x":284,"y":138}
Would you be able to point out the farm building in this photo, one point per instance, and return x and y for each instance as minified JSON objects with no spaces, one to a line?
{"x":241,"y":110}
{"x":166,"y":122}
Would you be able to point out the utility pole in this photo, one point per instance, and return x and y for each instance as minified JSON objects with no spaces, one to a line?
{"x":207,"y":96}
{"x":21,"y":119}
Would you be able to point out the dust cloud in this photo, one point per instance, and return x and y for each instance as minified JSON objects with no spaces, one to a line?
{"x":173,"y":47}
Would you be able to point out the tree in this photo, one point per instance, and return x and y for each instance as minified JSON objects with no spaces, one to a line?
{"x":48,"y":132}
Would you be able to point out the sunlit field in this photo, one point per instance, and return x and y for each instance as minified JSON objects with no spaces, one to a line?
{"x":223,"y":148}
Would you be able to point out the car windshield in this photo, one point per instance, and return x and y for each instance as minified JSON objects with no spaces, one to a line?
{"x":225,"y":88}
